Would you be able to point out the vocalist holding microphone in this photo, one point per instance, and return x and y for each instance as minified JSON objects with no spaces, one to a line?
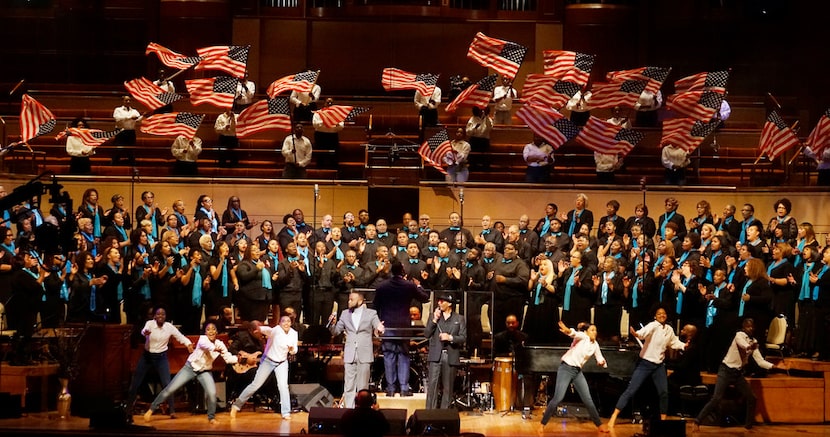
{"x":359,"y":323}
{"x":447,"y":332}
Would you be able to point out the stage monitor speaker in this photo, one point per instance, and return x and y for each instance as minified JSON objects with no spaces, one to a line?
{"x":311,"y":395}
{"x":106,"y":414}
{"x":434,"y":422}
{"x":10,"y":406}
{"x":325,"y":420}
{"x":664,"y":428}
{"x":397,"y":420}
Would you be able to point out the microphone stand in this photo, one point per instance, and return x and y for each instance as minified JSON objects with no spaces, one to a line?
{"x":461,"y":202}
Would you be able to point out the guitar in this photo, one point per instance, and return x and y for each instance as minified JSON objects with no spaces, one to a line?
{"x":251,"y":361}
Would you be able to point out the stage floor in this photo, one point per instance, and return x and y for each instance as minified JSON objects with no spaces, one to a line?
{"x":268,"y":423}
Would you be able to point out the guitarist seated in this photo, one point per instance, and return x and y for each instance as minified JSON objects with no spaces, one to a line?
{"x":248,"y":343}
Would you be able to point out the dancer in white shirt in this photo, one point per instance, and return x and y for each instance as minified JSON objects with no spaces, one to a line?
{"x":658,"y":336}
{"x":583,"y":347}
{"x":198,"y":366}
{"x":282,"y":342}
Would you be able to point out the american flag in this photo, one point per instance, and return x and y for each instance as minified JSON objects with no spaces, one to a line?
{"x":655,"y":76}
{"x":776,"y":136}
{"x":548,"y":90}
{"x":264,"y":115}
{"x":35,"y":119}
{"x":708,"y":81}
{"x":149,"y":94}
{"x":396,"y":79}
{"x":230,"y":59}
{"x":610,"y":139}
{"x":819,"y":138}
{"x":172,"y":124}
{"x":301,"y":82}
{"x":548,"y":124}
{"x":701,"y":105}
{"x":503,"y":56}
{"x":478,"y":94}
{"x":90,"y":137}
{"x":334,"y":114}
{"x":434,"y":149}
{"x":622,"y":93}
{"x":686,"y":133}
{"x":218,"y":91}
{"x":570,"y":66}
{"x":171,"y":58}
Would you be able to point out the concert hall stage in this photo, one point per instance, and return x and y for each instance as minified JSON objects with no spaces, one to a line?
{"x":269,"y":423}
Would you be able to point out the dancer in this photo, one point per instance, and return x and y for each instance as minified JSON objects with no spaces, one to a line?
{"x":198,"y":366}
{"x":658,"y":336}
{"x":584,"y":345}
{"x":282,"y":341}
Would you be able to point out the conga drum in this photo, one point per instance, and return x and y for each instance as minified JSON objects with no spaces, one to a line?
{"x":504,"y":383}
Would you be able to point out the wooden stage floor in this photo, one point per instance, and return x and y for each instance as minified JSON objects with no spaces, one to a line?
{"x":268,"y":423}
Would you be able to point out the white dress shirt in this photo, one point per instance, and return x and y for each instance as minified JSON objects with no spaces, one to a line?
{"x":582,"y":348}
{"x":538,"y":156}
{"x":739,"y":351}
{"x":223,"y":125}
{"x":183,"y":149}
{"x":157,"y":338}
{"x":206,"y":352}
{"x":479,"y":127}
{"x":658,"y":337}
{"x":319,"y":126}
{"x":506,"y":94}
{"x":673,"y":156}
{"x":302,"y":145}
{"x":125,"y":117}
{"x":304,"y":98}
{"x":245,"y":95}
{"x":77,"y":148}
{"x":430,"y":102}
{"x":276,"y":349}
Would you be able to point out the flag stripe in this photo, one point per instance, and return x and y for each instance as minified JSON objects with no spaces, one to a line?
{"x":301,"y":82}
{"x":172,"y":124}
{"x":477,"y":95}
{"x":701,"y":105}
{"x":264,"y":115}
{"x":35,"y":119}
{"x":776,"y":136}
{"x":394,"y":79}
{"x":548,"y":124}
{"x":171,"y":58}
{"x":434,"y":149}
{"x":569,"y":66}
{"x":607,"y":138}
{"x":819,"y":138}
{"x":230,"y":59}
{"x":217,"y":91}
{"x":335,"y":114}
{"x":618,"y":93}
{"x":149,"y":94}
{"x":503,"y":56}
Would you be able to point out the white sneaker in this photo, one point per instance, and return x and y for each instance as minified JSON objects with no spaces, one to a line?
{"x":286,"y":417}
{"x":234,"y":410}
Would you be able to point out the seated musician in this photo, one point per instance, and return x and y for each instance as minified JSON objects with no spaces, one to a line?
{"x":248,"y":340}
{"x":295,"y":324}
{"x":506,"y":343}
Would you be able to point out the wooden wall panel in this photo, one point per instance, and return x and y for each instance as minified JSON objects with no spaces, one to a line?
{"x":283,"y":49}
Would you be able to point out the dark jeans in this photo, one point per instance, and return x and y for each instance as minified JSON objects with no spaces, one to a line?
{"x":566,"y":375}
{"x":162,"y":366}
{"x":728,"y":376}
{"x":643,"y":370}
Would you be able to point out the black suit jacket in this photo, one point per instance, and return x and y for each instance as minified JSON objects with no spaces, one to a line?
{"x":453,"y":325}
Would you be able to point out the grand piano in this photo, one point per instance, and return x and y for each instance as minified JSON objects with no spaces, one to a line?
{"x":546,"y":359}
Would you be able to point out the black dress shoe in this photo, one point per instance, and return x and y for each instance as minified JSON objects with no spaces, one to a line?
{"x":406,"y":394}
{"x":391,"y":393}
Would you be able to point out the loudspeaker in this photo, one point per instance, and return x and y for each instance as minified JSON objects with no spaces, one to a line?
{"x":10,"y":406}
{"x":397,"y":420}
{"x":311,"y":395}
{"x":109,"y":415}
{"x":326,"y":420}
{"x":434,"y":422}
{"x":664,"y":428}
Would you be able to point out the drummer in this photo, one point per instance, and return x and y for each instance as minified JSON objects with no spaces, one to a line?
{"x":508,"y":342}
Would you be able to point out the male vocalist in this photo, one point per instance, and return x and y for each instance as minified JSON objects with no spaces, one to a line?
{"x":359,"y":323}
{"x":392,"y":300}
{"x":447,"y":333}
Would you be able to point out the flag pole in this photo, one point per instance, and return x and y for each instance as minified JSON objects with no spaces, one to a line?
{"x":800,"y":147}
